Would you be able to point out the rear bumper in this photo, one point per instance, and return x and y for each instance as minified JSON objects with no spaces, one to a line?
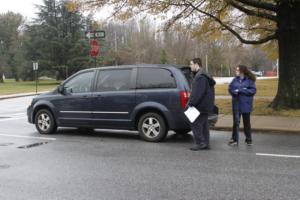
{"x":212,"y":120}
{"x":182,"y":123}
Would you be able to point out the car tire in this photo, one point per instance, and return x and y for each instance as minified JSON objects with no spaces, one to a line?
{"x":152,"y":127}
{"x":44,"y":122}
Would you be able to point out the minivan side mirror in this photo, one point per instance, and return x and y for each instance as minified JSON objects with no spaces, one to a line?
{"x":61,"y":89}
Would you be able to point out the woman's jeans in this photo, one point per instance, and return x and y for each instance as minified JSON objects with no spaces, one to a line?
{"x":236,"y":126}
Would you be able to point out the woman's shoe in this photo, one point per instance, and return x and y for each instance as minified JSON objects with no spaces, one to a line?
{"x":232,"y":143}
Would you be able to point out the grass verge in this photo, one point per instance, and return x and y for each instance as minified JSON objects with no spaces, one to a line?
{"x":266,"y":87}
{"x":12,"y":87}
{"x":260,"y":108}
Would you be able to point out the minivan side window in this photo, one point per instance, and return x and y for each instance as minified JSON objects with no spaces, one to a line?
{"x":81,"y":83}
{"x":155,"y":78}
{"x":113,"y":80}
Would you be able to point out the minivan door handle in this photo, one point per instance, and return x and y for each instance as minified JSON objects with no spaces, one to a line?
{"x":98,"y":96}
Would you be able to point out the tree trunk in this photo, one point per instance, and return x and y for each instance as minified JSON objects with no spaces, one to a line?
{"x":288,"y":94}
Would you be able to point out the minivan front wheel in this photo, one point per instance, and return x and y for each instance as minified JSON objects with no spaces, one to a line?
{"x":152,"y":127}
{"x":44,"y":122}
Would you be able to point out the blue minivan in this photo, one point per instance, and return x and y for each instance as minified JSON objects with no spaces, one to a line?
{"x":147,"y":98}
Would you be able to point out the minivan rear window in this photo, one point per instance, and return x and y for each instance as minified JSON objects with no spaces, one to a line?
{"x":155,"y":78}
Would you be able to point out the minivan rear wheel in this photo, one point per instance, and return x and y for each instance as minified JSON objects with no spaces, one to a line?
{"x":44,"y":122}
{"x":152,"y":127}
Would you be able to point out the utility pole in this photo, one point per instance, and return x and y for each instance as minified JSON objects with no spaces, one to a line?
{"x":67,"y":73}
{"x":277,"y":68}
{"x":116,"y":48}
{"x":221,"y":70}
{"x":206,"y":63}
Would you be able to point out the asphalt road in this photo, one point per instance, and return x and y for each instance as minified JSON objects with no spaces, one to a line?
{"x":116,"y":165}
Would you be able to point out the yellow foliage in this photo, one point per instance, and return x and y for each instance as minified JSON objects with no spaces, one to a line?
{"x":133,"y":2}
{"x":72,"y":6}
{"x":271,"y":49}
{"x":125,"y":15}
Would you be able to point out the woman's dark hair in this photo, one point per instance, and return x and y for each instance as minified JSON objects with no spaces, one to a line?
{"x":247,"y":72}
{"x":197,"y":61}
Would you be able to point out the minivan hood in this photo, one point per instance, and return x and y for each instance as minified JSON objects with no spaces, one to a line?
{"x":48,"y":93}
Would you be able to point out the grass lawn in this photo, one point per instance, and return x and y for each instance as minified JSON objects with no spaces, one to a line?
{"x":12,"y":87}
{"x":266,"y":87}
{"x":260,"y":108}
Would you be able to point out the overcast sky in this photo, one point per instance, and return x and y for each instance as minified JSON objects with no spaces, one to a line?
{"x":27,"y":8}
{"x":24,"y":7}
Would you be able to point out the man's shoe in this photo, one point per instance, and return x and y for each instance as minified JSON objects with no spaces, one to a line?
{"x":232,"y":143}
{"x":199,"y":147}
{"x":249,"y":143}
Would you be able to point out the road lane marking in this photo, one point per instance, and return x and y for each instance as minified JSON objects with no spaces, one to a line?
{"x":28,"y":137}
{"x":277,"y":155}
{"x":11,"y":119}
{"x":13,"y":114}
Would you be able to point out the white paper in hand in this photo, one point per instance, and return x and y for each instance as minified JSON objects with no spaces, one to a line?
{"x":192,"y":113}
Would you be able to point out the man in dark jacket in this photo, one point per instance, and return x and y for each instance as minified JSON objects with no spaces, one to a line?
{"x":202,"y":97}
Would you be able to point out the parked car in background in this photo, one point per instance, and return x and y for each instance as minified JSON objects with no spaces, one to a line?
{"x":257,"y":73}
{"x":147,"y":98}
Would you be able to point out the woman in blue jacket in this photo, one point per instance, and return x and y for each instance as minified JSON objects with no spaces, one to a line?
{"x":242,"y":89}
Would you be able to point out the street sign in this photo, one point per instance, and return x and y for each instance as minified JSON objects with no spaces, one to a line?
{"x":95,"y":34}
{"x":94,"y":48}
{"x":35,"y":66}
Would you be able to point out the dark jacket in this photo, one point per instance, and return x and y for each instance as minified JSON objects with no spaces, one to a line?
{"x":242,"y":92}
{"x":203,"y":94}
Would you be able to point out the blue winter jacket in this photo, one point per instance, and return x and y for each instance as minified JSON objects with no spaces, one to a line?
{"x":242,"y":92}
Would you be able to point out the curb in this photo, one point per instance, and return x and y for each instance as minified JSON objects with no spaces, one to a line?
{"x":265,"y":130}
{"x":16,"y":96}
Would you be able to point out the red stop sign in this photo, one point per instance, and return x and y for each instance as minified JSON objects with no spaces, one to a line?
{"x":94,"y":48}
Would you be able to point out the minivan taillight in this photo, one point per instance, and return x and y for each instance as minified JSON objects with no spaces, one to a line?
{"x":184,"y":97}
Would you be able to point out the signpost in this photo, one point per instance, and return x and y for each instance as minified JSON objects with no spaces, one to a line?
{"x":94,"y":50}
{"x":94,"y":43}
{"x":95,"y":34}
{"x":35,"y":69}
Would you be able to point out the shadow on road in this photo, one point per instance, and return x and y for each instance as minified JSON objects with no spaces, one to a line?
{"x":121,"y":134}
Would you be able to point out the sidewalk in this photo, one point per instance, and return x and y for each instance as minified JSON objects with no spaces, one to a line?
{"x":263,"y":124}
{"x":10,"y":96}
{"x":258,"y":123}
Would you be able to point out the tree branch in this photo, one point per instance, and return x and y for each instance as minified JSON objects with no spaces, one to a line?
{"x":236,"y":34}
{"x":259,"y":4}
{"x":252,"y":12}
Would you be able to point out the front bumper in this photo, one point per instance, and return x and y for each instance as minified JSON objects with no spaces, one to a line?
{"x":29,"y":115}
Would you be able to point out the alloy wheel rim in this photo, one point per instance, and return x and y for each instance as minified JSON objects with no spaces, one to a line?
{"x":151,"y":127}
{"x":44,"y":121}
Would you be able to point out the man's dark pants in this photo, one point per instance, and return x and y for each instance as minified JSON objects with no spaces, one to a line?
{"x":200,"y":129}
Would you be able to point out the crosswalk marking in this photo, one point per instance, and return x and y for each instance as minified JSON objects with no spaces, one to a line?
{"x":277,"y":155}
{"x":13,"y":118}
{"x":27,"y":137}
